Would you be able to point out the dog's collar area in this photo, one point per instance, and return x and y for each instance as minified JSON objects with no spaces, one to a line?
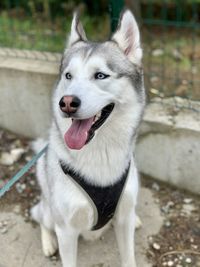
{"x":105,"y":198}
{"x":105,"y":113}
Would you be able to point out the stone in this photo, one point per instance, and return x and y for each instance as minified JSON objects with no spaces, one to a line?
{"x":170,"y":263}
{"x":157,"y":52}
{"x":188,"y":260}
{"x":4,"y":230}
{"x":8,"y":158}
{"x":177,"y":55}
{"x":156,"y":246}
{"x":17,"y":209}
{"x":155,"y":186}
{"x":187,"y":200}
{"x":20,"y":187}
{"x":167,"y":224}
{"x":188,"y":209}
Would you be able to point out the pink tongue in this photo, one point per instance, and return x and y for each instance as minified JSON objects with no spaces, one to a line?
{"x":77,"y":134}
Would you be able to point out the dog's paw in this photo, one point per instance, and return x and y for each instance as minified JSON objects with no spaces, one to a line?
{"x":138,"y":222}
{"x":49,"y":247}
{"x":49,"y":242}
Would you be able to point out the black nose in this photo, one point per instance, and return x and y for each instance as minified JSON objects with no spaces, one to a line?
{"x":69,"y":104}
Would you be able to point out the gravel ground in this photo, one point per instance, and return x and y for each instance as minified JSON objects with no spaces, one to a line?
{"x":178,"y":242}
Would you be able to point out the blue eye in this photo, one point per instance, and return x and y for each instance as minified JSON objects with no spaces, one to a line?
{"x":100,"y":76}
{"x":68,"y":76}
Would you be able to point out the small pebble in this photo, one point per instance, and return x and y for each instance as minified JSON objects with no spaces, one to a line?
{"x":4,"y":230}
{"x":194,"y":246}
{"x":156,"y":246}
{"x":191,"y":239}
{"x":170,"y":204}
{"x":8,"y":158}
{"x":5,"y":223}
{"x":35,"y":200}
{"x":27,"y":158}
{"x":167,"y":207}
{"x":155,"y":186}
{"x":188,"y":260}
{"x":157,"y":52}
{"x":17,"y":209}
{"x":38,"y":197}
{"x":54,"y":258}
{"x":32,"y":182}
{"x":20,"y":187}
{"x":170,"y":263}
{"x":188,"y":209}
{"x":187,"y":200}
{"x":167,"y":224}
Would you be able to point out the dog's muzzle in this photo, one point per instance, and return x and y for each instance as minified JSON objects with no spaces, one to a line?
{"x":82,"y":131}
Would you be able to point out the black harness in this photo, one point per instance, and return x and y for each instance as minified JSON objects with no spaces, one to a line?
{"x":105,"y":198}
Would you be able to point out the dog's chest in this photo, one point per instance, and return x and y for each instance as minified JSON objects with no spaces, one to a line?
{"x":104,"y":199}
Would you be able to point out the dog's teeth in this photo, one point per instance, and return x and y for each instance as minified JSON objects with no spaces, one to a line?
{"x":98,"y":116}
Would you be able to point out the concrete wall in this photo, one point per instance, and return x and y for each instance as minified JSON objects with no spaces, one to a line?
{"x":25,"y":91}
{"x":169,"y":142}
{"x":168,"y":147}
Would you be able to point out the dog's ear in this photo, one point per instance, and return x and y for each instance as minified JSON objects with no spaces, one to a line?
{"x":127,"y":36}
{"x":77,"y":32}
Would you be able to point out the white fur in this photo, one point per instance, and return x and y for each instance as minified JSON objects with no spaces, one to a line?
{"x":63,"y":208}
{"x":128,"y":38}
{"x":77,"y":31}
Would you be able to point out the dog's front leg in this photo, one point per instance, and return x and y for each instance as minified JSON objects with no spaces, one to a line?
{"x":67,"y":242}
{"x":125,"y":228}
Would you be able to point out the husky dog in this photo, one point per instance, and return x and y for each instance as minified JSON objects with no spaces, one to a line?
{"x":88,"y":176}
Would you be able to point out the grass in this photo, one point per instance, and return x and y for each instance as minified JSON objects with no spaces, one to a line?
{"x":38,"y":34}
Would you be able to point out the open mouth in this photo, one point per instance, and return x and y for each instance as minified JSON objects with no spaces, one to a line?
{"x":82,"y":131}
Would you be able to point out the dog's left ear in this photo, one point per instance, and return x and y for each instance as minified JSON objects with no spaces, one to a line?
{"x":127,"y":36}
{"x":77,"y":32}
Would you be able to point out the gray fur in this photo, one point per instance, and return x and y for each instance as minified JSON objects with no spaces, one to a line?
{"x":116,"y":61}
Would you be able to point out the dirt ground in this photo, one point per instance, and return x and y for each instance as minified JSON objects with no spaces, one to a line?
{"x":177,"y":243}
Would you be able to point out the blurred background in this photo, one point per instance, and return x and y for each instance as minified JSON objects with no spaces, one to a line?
{"x":32,"y":38}
{"x":170,"y":36}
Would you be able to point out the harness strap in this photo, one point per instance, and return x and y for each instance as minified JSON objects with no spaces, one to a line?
{"x":105,"y":198}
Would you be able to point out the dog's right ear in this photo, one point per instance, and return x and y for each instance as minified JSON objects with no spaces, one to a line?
{"x":77,"y":33}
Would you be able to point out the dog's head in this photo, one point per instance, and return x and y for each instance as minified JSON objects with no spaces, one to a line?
{"x":99,"y":81}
